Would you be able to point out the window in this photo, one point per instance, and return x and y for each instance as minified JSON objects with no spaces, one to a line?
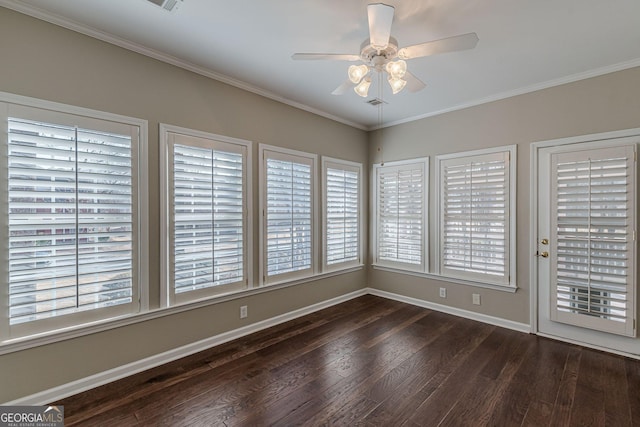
{"x":400,"y":201}
{"x":342,"y":213}
{"x":288,"y":227}
{"x":477,"y":215}
{"x":73,"y":218}
{"x":207,"y":192}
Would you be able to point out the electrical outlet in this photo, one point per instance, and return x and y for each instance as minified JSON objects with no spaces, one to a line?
{"x":443,"y":292}
{"x":243,"y":311}
{"x":476,"y":299}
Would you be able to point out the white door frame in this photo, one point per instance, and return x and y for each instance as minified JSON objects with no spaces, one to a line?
{"x":533,"y":219}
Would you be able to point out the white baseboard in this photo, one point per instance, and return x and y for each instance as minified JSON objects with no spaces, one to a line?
{"x":509,"y":324}
{"x":96,"y":380}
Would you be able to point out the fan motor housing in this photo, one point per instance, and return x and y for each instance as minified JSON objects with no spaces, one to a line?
{"x":375,"y":57}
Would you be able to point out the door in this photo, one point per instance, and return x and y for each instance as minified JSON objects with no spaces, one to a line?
{"x":586,"y":245}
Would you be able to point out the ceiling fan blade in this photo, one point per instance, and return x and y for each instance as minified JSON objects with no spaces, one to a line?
{"x":380,"y":19}
{"x":343,"y":87}
{"x":414,"y":84}
{"x":325,"y":56}
{"x":450,"y":44}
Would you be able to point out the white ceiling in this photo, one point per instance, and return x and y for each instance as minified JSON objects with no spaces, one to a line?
{"x":524,"y":45}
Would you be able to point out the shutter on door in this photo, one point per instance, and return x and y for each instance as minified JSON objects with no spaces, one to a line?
{"x":593,"y":254}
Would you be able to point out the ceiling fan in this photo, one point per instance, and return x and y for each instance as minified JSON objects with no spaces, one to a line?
{"x":379,"y":51}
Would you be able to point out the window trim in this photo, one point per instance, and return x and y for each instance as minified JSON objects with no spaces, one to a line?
{"x":424,"y":266}
{"x":166,"y":299}
{"x":263,"y":149}
{"x":347,"y":165}
{"x":82,"y":319}
{"x":512,"y":151}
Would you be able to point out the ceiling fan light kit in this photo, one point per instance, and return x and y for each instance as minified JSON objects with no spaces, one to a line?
{"x":362,"y":88}
{"x":357,"y":73}
{"x":379,"y":51}
{"x":396,"y":69}
{"x":396,"y":84}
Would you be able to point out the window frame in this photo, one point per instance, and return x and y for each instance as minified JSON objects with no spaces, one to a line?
{"x":56,"y":113}
{"x":509,"y":279}
{"x":291,"y":155}
{"x":201,"y":139}
{"x":330,"y":162}
{"x":422,"y":163}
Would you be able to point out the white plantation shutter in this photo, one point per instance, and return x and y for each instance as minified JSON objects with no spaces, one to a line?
{"x":209,"y":210}
{"x":207,"y":216}
{"x":72,"y":220}
{"x":475,"y":218}
{"x":400,"y":214}
{"x":342,"y":213}
{"x":592,"y":257}
{"x":288,"y":215}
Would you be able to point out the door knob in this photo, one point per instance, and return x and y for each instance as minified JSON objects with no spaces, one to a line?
{"x":544,"y":241}
{"x":544,"y":254}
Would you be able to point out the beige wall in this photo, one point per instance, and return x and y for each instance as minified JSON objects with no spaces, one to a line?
{"x":600,"y":104}
{"x":48,"y":62}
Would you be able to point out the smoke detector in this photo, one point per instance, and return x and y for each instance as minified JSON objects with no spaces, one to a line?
{"x":167,"y":4}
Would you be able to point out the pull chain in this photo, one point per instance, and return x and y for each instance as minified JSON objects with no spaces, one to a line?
{"x":380,"y":117}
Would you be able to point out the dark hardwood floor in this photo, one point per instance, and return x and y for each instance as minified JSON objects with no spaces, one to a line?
{"x":375,"y":362}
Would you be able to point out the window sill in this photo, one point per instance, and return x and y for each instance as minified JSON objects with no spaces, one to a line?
{"x":502,"y":288}
{"x":23,"y":343}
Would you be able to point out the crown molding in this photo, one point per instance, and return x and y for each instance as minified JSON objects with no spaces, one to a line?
{"x":520,"y":91}
{"x":46,"y":16}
